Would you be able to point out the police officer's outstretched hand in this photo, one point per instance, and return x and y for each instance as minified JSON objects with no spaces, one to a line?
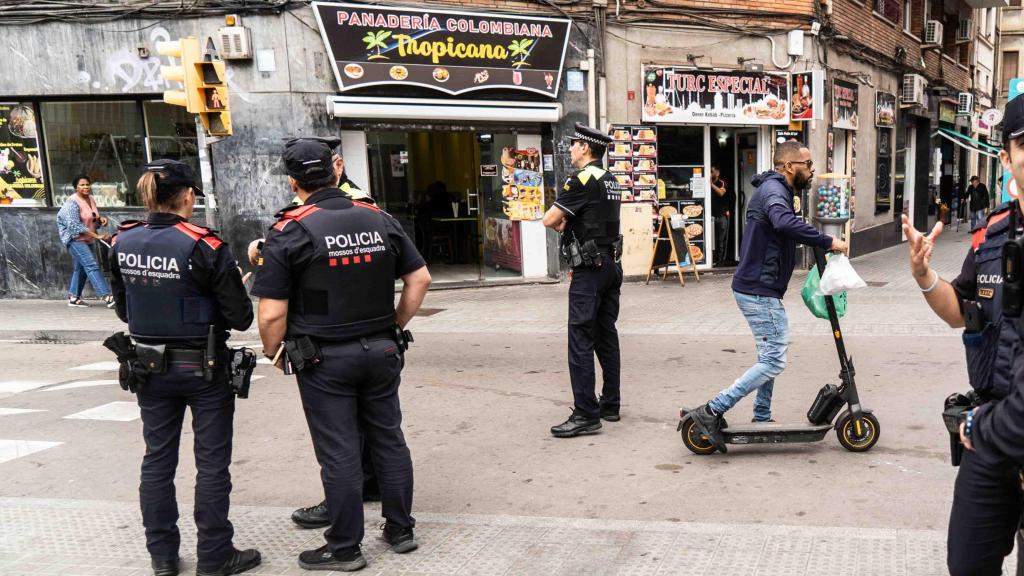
{"x":920,"y":246}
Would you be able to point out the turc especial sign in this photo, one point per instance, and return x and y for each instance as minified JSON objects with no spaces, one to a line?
{"x":450,"y":51}
{"x":679,"y":94}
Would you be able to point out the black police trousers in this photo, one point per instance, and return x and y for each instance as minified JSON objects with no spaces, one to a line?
{"x":593,"y":310}
{"x":162,"y":400}
{"x":356,"y":387}
{"x":986,"y":513}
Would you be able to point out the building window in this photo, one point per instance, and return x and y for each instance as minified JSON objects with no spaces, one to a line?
{"x":890,"y":9}
{"x":1015,"y":3}
{"x":171,"y":133}
{"x":21,"y":166}
{"x":926,"y":15}
{"x":103,"y":140}
{"x":907,"y":15}
{"x":1010,"y":63}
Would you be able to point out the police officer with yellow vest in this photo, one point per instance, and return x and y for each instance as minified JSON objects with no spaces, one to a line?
{"x":586,"y":212}
{"x":179,"y":288}
{"x":326,"y":289}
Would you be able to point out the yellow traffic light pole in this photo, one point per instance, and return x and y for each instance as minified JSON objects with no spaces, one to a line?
{"x":204,"y":93}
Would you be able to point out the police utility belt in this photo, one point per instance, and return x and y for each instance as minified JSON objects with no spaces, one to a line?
{"x":304,"y":352}
{"x":139,"y":361}
{"x":587,"y":253}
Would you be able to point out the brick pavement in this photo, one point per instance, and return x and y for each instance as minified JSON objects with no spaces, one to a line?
{"x":72,"y":537}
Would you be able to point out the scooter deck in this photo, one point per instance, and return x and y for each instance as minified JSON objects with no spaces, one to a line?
{"x":774,"y":433}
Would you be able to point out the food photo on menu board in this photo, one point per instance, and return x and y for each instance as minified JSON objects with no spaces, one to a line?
{"x":632,"y":160}
{"x":21,"y":169}
{"x":693,"y":226}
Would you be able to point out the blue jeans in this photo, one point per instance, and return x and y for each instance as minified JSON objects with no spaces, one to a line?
{"x":85,"y":266}
{"x":767,"y":319}
{"x":977,"y":216}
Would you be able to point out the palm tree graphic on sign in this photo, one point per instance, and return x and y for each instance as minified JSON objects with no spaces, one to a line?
{"x":520,"y":48}
{"x":376,"y":40}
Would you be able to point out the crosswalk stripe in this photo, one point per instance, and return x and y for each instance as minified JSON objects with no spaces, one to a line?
{"x":81,"y":384}
{"x":99,"y":366}
{"x":113,"y":411}
{"x":16,"y":411}
{"x":14,"y":449}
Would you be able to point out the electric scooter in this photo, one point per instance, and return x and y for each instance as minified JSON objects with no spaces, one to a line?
{"x":856,"y":427}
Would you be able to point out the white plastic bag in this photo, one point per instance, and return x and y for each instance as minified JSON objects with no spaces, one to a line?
{"x":839,"y":277}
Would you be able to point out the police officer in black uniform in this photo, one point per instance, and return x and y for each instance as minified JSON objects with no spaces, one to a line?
{"x":586,"y":212}
{"x":172,"y":282}
{"x":987,"y":495}
{"x":326,"y":289}
{"x":316,"y":516}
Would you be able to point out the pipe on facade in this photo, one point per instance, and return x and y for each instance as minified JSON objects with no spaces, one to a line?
{"x":777,"y":65}
{"x":602,"y":92}
{"x":591,"y":90}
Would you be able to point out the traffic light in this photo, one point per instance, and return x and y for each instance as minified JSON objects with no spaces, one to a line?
{"x":212,"y":87}
{"x":204,"y":83}
{"x":187,"y":52}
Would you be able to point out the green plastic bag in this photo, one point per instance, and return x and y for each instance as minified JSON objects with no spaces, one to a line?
{"x":816,"y":303}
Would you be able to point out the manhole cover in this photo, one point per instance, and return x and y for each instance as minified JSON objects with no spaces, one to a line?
{"x":429,"y":311}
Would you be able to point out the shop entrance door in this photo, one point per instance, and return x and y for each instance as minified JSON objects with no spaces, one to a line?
{"x":746,"y":169}
{"x":501,"y":183}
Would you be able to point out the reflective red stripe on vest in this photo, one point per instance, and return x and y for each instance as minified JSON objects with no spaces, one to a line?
{"x":198,"y":233}
{"x":979,"y":235}
{"x":295,"y":214}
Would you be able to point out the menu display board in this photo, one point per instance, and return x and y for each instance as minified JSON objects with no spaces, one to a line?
{"x":808,"y":100}
{"x":844,"y":105}
{"x":21,"y":168}
{"x":693,"y":224}
{"x":445,"y":50}
{"x":633,"y":160}
{"x":682,"y":94}
{"x":885,"y":110}
{"x":522,"y":184}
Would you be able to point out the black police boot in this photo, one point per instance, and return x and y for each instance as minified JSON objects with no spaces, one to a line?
{"x":312,"y":517}
{"x":401,"y":540}
{"x":165,"y":567}
{"x":576,"y":424}
{"x":240,"y":561}
{"x":710,"y":425}
{"x":345,"y":560}
{"x":609,"y":413}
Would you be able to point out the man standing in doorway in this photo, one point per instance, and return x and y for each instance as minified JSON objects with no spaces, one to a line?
{"x":586,"y":212}
{"x":766,"y":265}
{"x":722,"y":204}
{"x":978,"y":193}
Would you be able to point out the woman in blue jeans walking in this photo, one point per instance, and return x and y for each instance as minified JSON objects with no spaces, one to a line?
{"x":76,"y":223}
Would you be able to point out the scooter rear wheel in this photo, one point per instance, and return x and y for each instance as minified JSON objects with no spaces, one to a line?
{"x":693,"y":439}
{"x":854,"y":442}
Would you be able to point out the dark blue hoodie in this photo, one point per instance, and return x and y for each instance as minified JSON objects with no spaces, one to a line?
{"x":770,"y":237}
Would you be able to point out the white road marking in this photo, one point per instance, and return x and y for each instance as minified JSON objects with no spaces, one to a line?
{"x":15,"y":386}
{"x":256,"y":377}
{"x":16,"y":411}
{"x":81,"y":384}
{"x":114,"y":411}
{"x":13,"y":449}
{"x":99,"y":366}
{"x":263,"y":361}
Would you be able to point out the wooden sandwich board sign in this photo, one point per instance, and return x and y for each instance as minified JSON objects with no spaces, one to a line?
{"x":671,"y":241}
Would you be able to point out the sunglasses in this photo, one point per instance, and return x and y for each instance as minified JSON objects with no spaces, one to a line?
{"x":807,"y":163}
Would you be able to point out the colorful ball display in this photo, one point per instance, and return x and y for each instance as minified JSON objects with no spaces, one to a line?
{"x":833,"y":202}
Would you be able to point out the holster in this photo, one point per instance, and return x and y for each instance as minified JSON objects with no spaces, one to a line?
{"x":591,"y":254}
{"x":402,"y":337}
{"x":303,"y":353}
{"x":617,"y":248}
{"x":572,"y":252}
{"x":954,"y":414}
{"x":242,"y":361}
{"x":132,"y":372}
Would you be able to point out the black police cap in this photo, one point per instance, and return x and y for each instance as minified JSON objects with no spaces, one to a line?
{"x":1013,"y":119}
{"x":173,"y":174}
{"x":590,"y":135}
{"x":308,"y":158}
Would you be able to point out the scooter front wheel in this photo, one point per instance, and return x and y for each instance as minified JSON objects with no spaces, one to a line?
{"x":695,"y":441}
{"x":862,"y":441}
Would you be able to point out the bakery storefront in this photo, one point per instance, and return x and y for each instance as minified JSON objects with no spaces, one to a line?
{"x":694,"y":120}
{"x":447,"y":118}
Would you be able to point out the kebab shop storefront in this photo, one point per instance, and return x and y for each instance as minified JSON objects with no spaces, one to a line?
{"x":443,"y":117}
{"x":698,"y":119}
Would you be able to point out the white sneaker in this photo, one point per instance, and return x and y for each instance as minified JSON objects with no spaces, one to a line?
{"x":110,"y":301}
{"x":77,"y":303}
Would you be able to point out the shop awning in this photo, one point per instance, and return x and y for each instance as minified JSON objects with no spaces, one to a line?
{"x":968,"y":143}
{"x":437,"y":109}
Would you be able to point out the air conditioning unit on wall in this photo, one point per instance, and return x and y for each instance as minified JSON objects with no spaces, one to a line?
{"x":964,"y":103}
{"x":933,"y":32}
{"x":965,"y":31}
{"x":235,"y":43}
{"x":913,"y":89}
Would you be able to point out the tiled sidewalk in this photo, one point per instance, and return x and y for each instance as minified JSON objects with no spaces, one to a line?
{"x":72,"y":537}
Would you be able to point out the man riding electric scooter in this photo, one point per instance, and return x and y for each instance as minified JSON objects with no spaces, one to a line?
{"x":767,"y":261}
{"x":987,"y":495}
